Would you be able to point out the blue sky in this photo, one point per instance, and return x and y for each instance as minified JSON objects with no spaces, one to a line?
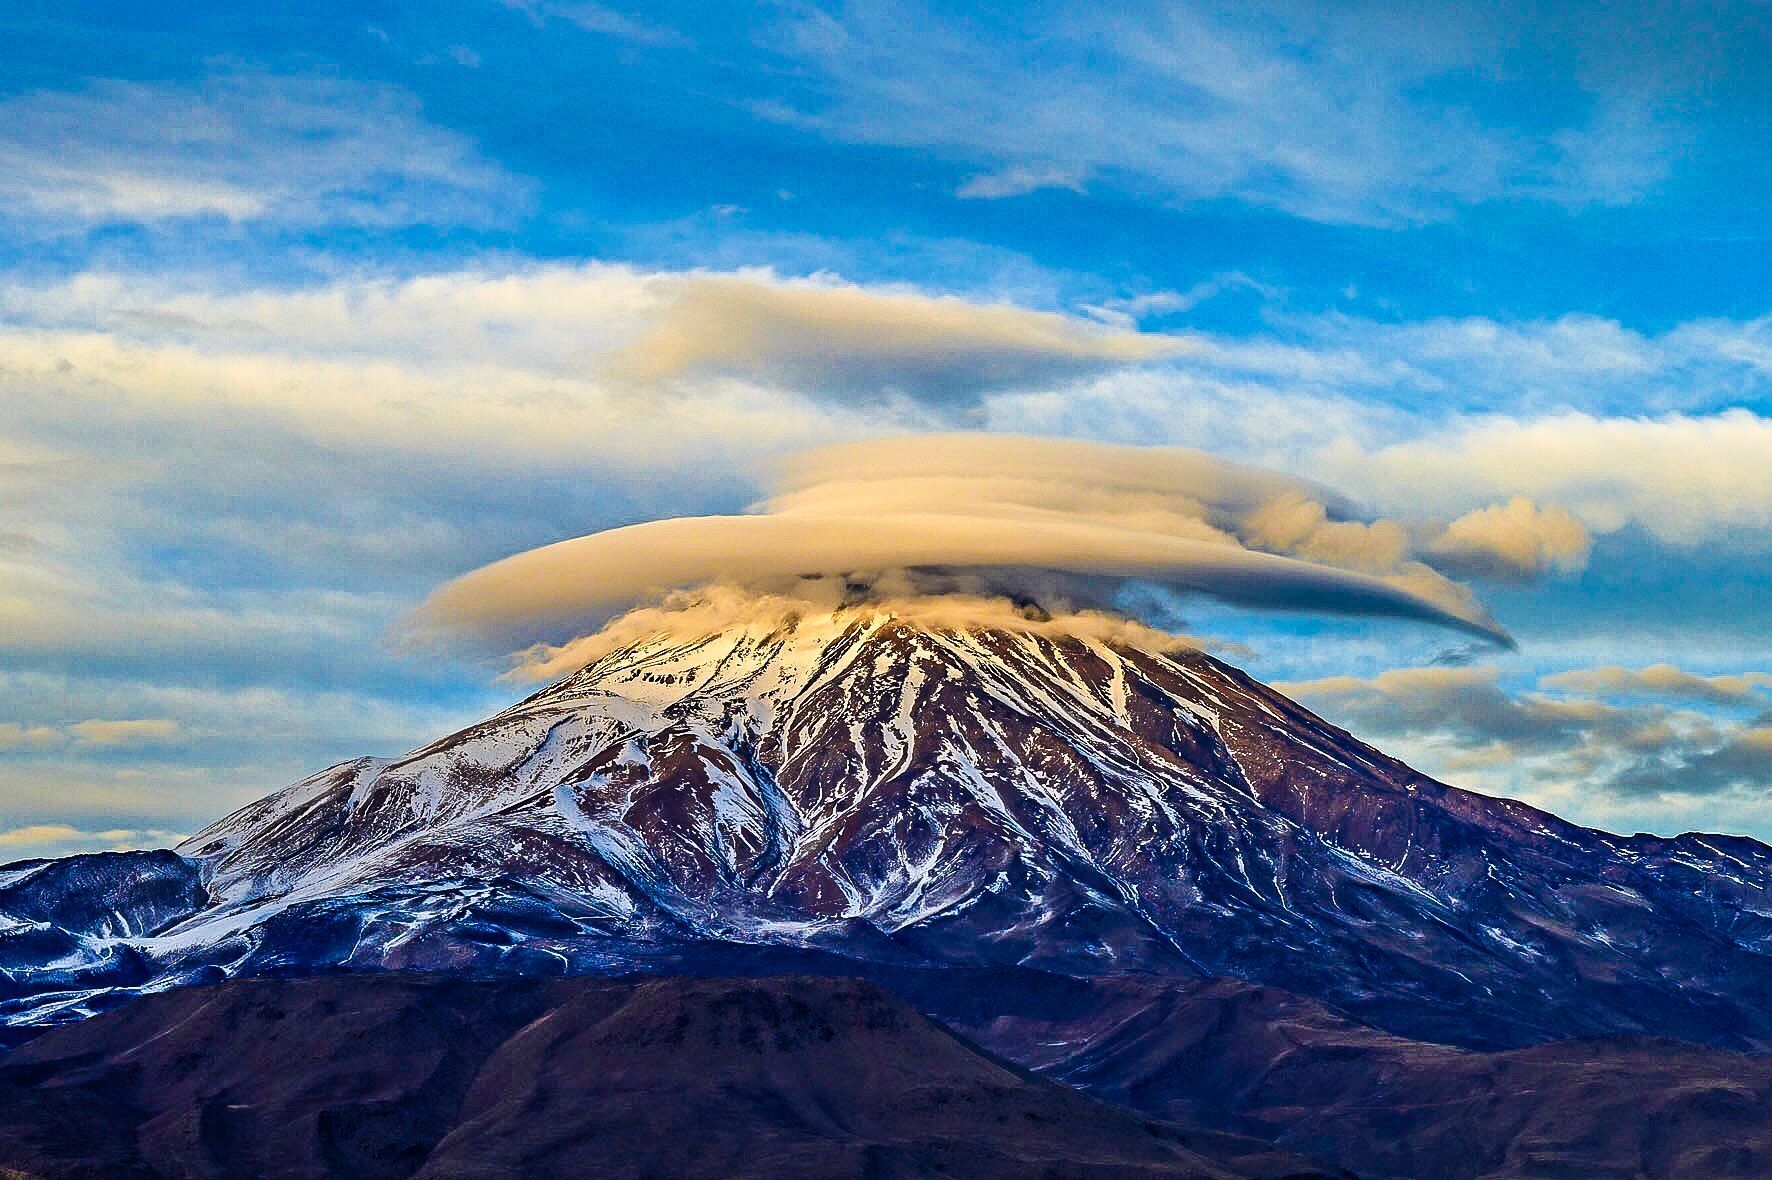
{"x":307,"y":311}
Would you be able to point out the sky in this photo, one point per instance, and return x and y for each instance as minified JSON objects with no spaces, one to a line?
{"x":308,"y":310}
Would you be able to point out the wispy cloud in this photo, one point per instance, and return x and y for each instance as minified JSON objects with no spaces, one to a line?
{"x":605,"y":20}
{"x":1666,"y":680}
{"x":1019,"y":181}
{"x":301,"y":150}
{"x":1198,"y":105}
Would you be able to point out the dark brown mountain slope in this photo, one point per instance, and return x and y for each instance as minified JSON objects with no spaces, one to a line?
{"x":1262,"y":1062}
{"x":394,"y":1076}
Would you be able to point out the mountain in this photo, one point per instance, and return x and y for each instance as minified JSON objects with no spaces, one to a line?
{"x":396,"y":1074}
{"x":1264,"y":1063}
{"x":1132,"y":870}
{"x":377,"y":1077}
{"x":902,"y":795}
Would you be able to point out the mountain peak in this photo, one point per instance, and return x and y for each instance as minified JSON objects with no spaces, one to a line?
{"x":939,"y":789}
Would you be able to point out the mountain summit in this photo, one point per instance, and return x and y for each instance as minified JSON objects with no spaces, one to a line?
{"x":907,"y":797}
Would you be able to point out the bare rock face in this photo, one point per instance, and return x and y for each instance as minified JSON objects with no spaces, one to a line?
{"x":906,"y":797}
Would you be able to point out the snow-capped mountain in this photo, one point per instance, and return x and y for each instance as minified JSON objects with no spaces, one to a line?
{"x":906,"y":795}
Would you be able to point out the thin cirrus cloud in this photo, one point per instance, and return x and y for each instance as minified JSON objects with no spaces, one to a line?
{"x":1193,"y":103}
{"x":998,"y":510}
{"x":602,"y":20}
{"x":305,"y":151}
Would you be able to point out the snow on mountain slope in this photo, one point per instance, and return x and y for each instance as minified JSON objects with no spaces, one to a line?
{"x":911,"y":794}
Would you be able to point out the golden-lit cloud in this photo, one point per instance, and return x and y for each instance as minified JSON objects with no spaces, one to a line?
{"x":1517,"y":540}
{"x":1664,"y":680}
{"x":1301,"y":526}
{"x":117,"y":733}
{"x":57,"y":838}
{"x":95,"y":732}
{"x":848,"y":341}
{"x":711,"y":609}
{"x":1009,"y":511}
{"x":17,"y":735}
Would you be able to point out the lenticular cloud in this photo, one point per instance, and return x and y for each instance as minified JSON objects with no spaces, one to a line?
{"x":1000,"y":514}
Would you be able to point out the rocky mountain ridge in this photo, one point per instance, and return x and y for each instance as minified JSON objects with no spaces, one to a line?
{"x":906,"y":795}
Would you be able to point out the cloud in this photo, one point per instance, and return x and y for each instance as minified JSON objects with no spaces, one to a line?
{"x":1576,"y":749}
{"x":1296,"y":524}
{"x":1339,"y":123}
{"x":847,"y":341}
{"x":1466,"y":702}
{"x":531,"y":364}
{"x":242,"y":148}
{"x":1018,"y":182}
{"x":62,"y":833}
{"x":604,"y":20}
{"x":118,"y":733}
{"x":1664,"y":680}
{"x":990,"y":507}
{"x":1127,"y":312}
{"x":711,"y":609}
{"x":1515,"y":541}
{"x":16,"y":735}
{"x":1684,"y":478}
{"x":62,"y":839}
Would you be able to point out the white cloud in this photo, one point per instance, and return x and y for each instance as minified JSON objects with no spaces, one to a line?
{"x":604,"y":20}
{"x":1018,"y":182}
{"x":1195,"y":104}
{"x":1685,"y":478}
{"x":299,"y":150}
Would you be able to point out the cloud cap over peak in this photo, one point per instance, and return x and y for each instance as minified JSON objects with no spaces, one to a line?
{"x":1011,"y":513}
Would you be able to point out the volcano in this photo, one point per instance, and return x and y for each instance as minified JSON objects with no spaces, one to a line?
{"x":1041,"y":837}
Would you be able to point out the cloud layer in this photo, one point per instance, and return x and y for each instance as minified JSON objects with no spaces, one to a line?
{"x":1011,"y":511}
{"x":211,"y":480}
{"x":844,"y":341}
{"x":1609,"y":744}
